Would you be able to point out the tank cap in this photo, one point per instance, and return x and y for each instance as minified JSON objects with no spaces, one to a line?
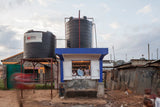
{"x":71,"y":18}
{"x":30,"y":31}
{"x":85,"y":17}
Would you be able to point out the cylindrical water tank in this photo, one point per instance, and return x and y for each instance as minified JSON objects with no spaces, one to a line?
{"x":76,"y":39}
{"x":39,"y":44}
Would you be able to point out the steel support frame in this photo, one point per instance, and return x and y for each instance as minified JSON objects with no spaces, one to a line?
{"x":35,"y":61}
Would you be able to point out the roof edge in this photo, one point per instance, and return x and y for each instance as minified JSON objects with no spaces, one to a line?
{"x":11,"y":56}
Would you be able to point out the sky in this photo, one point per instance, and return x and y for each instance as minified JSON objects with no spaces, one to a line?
{"x":126,"y":25}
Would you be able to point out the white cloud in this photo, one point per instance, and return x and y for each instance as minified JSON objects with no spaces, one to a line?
{"x":155,"y":20}
{"x":2,"y":48}
{"x":146,"y":9}
{"x":106,"y":7}
{"x":114,"y":25}
{"x":106,"y":36}
{"x":42,"y":3}
{"x":124,"y":10}
{"x":78,"y":6}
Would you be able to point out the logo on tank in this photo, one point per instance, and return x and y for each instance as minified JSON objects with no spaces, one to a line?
{"x":33,"y":37}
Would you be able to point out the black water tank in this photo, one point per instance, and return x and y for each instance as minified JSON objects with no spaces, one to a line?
{"x":72,"y":33}
{"x":39,"y":44}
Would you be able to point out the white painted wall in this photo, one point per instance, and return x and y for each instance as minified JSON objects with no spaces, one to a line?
{"x":67,"y":68}
{"x":67,"y":65}
{"x":95,"y":71}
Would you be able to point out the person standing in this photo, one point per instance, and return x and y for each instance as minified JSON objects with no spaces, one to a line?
{"x":80,"y":72}
{"x":61,"y":91}
{"x":148,"y":94}
{"x":74,"y":73}
{"x":86,"y":71}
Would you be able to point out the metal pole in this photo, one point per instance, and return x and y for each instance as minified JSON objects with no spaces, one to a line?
{"x":95,"y":34}
{"x":126,"y":57}
{"x":113,"y":54}
{"x":51,"y":76}
{"x":79,"y":31}
{"x":91,"y":18}
{"x":148,"y":52}
{"x":65,"y":33}
{"x":110,"y":57}
{"x":61,"y":39}
{"x":21,"y":72}
{"x":57,"y":73}
{"x":21,"y":65}
{"x":33,"y":74}
{"x":157,"y":53}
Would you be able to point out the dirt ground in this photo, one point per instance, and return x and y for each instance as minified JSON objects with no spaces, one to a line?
{"x":118,"y":98}
{"x":41,"y":98}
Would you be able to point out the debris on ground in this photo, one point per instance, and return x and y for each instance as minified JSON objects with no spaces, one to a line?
{"x":119,"y":99}
{"x":41,"y":98}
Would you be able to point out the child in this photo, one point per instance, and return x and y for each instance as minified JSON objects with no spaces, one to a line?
{"x":148,"y":94}
{"x":157,"y":101}
{"x":74,"y":73}
{"x":86,"y":71}
{"x":61,"y":91}
{"x":147,"y":103}
{"x":150,"y":103}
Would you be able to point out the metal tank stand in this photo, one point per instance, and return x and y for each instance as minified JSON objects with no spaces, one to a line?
{"x":34,"y":62}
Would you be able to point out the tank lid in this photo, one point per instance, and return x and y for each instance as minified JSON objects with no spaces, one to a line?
{"x":71,"y":18}
{"x":85,"y":17}
{"x":30,"y":31}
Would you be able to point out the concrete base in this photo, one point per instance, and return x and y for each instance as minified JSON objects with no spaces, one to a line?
{"x":83,"y":88}
{"x":100,"y":90}
{"x":89,"y":93}
{"x":80,"y":88}
{"x":81,"y":84}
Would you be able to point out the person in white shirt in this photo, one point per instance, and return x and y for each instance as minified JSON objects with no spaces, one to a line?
{"x":80,"y":72}
{"x":86,"y":71}
{"x":157,"y":101}
{"x":74,"y":73}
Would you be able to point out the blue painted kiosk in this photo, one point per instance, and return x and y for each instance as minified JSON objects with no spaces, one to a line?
{"x":81,"y":70}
